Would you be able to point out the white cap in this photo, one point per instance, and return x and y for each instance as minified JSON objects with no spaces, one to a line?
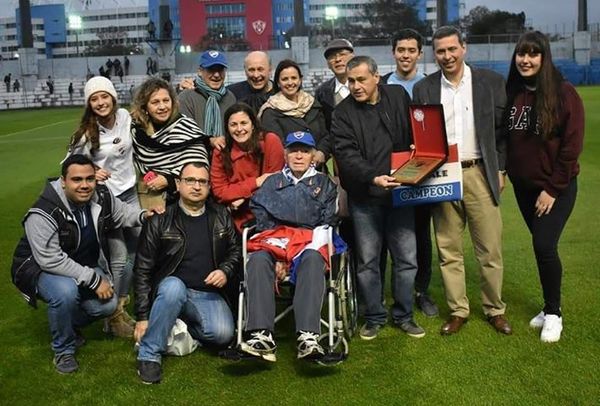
{"x":99,"y":84}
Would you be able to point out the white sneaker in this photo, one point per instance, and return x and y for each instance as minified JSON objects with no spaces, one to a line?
{"x":308,"y":345}
{"x":552,"y":328}
{"x":260,"y":344}
{"x":538,"y":320}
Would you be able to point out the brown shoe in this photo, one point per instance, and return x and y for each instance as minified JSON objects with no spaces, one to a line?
{"x":452,"y":325}
{"x":500,"y":324}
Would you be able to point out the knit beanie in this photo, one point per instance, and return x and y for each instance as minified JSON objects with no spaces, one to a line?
{"x":99,"y":84}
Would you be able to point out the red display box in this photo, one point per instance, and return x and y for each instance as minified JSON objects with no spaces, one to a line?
{"x":431,"y":145}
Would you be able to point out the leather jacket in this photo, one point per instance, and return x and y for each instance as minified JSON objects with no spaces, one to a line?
{"x":162,"y":247}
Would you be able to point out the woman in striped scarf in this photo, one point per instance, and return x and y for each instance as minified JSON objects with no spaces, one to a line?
{"x":163,"y":141}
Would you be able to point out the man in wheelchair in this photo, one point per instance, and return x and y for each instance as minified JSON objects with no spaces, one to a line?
{"x":291,"y":208}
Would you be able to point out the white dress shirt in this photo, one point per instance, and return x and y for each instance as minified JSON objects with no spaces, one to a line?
{"x":458,"y":112}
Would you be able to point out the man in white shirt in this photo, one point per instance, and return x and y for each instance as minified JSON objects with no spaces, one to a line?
{"x":473,"y":101}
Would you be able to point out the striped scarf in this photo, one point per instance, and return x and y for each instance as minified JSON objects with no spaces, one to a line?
{"x":213,"y":124}
{"x":169,"y":149}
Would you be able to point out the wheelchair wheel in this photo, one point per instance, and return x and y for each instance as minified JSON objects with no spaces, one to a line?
{"x":337,"y":353}
{"x":348,"y":298}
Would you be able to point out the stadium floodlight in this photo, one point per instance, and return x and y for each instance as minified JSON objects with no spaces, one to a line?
{"x":75,"y":24}
{"x":331,"y":14}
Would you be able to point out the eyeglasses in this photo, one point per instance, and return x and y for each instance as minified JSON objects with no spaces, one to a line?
{"x":338,"y":54}
{"x":193,"y":181}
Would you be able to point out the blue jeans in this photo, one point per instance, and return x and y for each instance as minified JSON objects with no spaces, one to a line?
{"x":123,"y":246}
{"x":69,"y":307}
{"x":373,"y":222}
{"x":207,"y":315}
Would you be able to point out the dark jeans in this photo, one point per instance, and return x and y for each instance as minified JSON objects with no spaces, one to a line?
{"x":424,"y":247}
{"x":545,"y":233}
{"x":373,"y":225}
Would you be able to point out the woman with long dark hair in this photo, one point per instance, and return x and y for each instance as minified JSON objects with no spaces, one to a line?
{"x":249,"y":157}
{"x":103,"y":135}
{"x":545,"y":123}
{"x":163,"y":140}
{"x":292,"y":109}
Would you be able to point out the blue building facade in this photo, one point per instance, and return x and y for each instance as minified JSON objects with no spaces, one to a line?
{"x":55,"y":24}
{"x":170,"y":10}
{"x":283,"y":18}
{"x":450,"y":14}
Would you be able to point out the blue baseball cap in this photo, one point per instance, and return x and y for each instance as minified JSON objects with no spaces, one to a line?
{"x":212,"y":58}
{"x":300,"y":137}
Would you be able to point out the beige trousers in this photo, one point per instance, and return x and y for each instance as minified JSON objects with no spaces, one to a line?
{"x":477,"y":211}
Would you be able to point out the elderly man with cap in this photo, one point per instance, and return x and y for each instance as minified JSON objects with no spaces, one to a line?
{"x":290,"y":206}
{"x":207,"y":101}
{"x":333,"y":91}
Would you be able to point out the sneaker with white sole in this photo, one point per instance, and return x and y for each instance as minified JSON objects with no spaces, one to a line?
{"x":260,"y":344}
{"x":308,"y":346}
{"x":538,"y":320}
{"x":552,"y":328}
{"x":149,"y":371}
{"x":369,"y":331}
{"x":411,"y":328}
{"x":65,"y":363}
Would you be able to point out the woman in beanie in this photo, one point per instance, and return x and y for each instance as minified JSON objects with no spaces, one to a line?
{"x":164,"y":141}
{"x":104,"y":136}
{"x":545,"y":124}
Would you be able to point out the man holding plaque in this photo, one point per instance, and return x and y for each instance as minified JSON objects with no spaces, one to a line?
{"x":473,"y":101}
{"x":367,"y":128}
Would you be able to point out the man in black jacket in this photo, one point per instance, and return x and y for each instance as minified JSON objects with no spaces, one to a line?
{"x":367,"y":128}
{"x":184,"y":260}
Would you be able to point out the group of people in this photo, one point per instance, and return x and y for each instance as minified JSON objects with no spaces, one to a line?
{"x":16,"y":85}
{"x":160,"y":195}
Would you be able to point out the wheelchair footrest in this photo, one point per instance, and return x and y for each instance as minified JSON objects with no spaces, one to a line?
{"x":332,"y":358}
{"x":233,"y":354}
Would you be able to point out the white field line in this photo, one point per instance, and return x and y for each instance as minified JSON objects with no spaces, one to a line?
{"x":36,"y":128}
{"x":22,"y":140}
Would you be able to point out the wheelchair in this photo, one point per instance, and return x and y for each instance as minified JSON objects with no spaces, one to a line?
{"x":338,"y":316}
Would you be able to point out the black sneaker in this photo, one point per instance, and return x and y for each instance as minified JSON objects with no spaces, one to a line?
{"x":260,"y":343}
{"x":369,"y":331}
{"x":426,"y":304}
{"x":65,"y":363}
{"x":411,"y":328}
{"x":149,"y":371}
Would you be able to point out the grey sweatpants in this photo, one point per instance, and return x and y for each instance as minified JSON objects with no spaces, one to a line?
{"x":308,"y":295}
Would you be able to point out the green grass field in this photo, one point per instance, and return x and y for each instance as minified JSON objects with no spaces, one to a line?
{"x":477,"y":366}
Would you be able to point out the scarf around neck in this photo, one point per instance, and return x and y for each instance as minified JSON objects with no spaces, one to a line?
{"x":288,"y":107}
{"x":167,"y":150}
{"x":213,"y":124}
